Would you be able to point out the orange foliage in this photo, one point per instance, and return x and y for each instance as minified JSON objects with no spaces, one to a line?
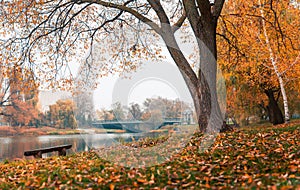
{"x":22,"y":109}
{"x":61,"y":114}
{"x":245,"y":57}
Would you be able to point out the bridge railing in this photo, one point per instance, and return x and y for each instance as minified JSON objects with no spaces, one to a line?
{"x":134,"y":121}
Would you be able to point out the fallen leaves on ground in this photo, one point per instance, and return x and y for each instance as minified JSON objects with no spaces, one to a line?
{"x":247,"y":158}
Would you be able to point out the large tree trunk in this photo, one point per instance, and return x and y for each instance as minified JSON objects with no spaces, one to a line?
{"x":205,"y":97}
{"x":274,"y":112}
{"x":208,"y":112}
{"x":202,"y":87}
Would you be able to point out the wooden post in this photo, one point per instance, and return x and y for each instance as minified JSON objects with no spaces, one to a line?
{"x":62,"y":152}
{"x":38,"y":155}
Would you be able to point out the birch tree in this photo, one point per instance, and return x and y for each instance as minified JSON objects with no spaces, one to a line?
{"x":274,"y":64}
{"x":264,"y":48}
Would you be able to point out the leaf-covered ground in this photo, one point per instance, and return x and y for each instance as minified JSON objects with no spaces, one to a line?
{"x":266,"y":158}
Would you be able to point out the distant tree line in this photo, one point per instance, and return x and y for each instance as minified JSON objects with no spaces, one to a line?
{"x":152,"y":109}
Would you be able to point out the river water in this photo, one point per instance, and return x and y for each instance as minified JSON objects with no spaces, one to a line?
{"x":14,"y":147}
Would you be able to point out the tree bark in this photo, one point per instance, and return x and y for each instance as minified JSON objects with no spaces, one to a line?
{"x":276,"y":70}
{"x":285,"y":100}
{"x":274,"y":112}
{"x":206,"y":101}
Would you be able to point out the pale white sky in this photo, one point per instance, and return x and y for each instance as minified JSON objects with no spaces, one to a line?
{"x":146,"y":88}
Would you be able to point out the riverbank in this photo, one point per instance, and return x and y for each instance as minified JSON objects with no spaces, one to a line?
{"x":259,"y":158}
{"x":7,"y":131}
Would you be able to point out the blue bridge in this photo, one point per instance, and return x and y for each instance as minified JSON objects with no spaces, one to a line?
{"x":132,"y":126}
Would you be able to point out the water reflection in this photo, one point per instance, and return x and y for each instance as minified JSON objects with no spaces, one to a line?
{"x":14,"y":147}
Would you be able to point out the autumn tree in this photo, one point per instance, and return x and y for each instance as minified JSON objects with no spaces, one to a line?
{"x":4,"y":90}
{"x":135,"y":111}
{"x":168,"y":108}
{"x":22,"y":97}
{"x":104,"y":114}
{"x":59,"y":30}
{"x":85,"y":108}
{"x":244,"y":101}
{"x":61,"y":114}
{"x":118,"y":111}
{"x":263,"y":51}
{"x":154,"y":106}
{"x":294,"y":97}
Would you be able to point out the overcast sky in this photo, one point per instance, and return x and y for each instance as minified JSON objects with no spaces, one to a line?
{"x":153,"y":80}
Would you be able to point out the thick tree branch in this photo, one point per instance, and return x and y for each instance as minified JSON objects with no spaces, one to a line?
{"x":139,"y":16}
{"x":193,"y":15}
{"x":157,"y":7}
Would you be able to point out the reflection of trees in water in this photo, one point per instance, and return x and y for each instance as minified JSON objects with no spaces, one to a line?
{"x":14,"y":147}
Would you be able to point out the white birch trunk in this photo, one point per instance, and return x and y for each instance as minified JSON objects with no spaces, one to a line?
{"x":274,"y":64}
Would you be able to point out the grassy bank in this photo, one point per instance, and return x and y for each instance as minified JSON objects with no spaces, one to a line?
{"x":6,"y":131}
{"x":263,"y":157}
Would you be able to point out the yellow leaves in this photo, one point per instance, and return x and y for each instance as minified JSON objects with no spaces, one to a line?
{"x":279,"y":150}
{"x":99,"y":180}
{"x":158,"y":172}
{"x":152,"y":181}
{"x":78,"y":178}
{"x":245,"y":32}
{"x":292,"y":176}
{"x":111,"y":186}
{"x":207,"y":182}
{"x":291,"y":156}
{"x":86,"y":46}
{"x":140,"y":180}
{"x":294,"y":168}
